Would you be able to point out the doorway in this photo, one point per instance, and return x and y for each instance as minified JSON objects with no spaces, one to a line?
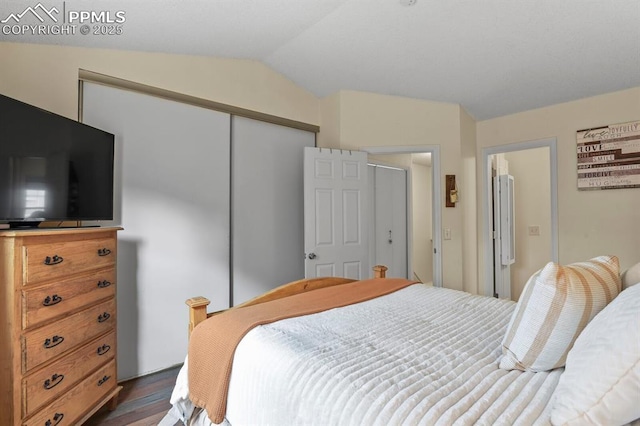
{"x":388,"y":230}
{"x":424,"y":259}
{"x":533,"y":166}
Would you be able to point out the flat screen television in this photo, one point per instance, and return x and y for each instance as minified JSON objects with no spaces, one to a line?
{"x":52,"y":168}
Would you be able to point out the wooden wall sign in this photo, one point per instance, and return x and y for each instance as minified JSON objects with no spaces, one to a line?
{"x":609,"y":156}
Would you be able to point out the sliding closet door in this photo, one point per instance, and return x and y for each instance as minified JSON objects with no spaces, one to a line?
{"x":268,"y":208}
{"x":172,"y":199}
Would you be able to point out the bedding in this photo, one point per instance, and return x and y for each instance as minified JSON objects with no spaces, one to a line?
{"x":603,"y":368}
{"x":420,"y":355}
{"x":209,"y":387}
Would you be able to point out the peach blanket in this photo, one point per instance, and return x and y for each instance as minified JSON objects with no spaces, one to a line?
{"x":213,"y":342}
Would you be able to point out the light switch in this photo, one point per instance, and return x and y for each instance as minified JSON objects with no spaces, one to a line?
{"x":447,"y":233}
{"x":534,"y":230}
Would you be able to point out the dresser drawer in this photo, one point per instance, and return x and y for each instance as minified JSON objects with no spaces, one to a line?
{"x":51,"y":340}
{"x":59,"y":377}
{"x":49,"y":261}
{"x":70,"y":406}
{"x":43,"y":303}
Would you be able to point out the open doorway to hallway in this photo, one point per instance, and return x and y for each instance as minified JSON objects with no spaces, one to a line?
{"x":529,"y":237}
{"x":533,"y":169}
{"x":401,"y":229}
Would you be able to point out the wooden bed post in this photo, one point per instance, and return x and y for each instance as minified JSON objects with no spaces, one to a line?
{"x":197,"y":311}
{"x":198,"y":305}
{"x":380,"y":271}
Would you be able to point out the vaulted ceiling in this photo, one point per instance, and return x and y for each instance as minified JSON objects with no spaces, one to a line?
{"x":494,"y":57}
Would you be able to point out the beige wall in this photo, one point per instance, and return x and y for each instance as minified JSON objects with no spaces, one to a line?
{"x":329,"y":135}
{"x":468,"y":202}
{"x":422,"y":224}
{"x":591,"y":223}
{"x":47,"y":76}
{"x":531,"y":174}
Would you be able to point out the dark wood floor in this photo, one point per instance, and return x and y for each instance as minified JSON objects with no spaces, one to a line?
{"x":143,"y":401}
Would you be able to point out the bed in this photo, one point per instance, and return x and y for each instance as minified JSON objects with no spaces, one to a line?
{"x":417,"y":355}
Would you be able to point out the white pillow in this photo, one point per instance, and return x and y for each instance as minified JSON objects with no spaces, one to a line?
{"x":631,"y":276}
{"x":556,"y":304}
{"x":601,"y":381}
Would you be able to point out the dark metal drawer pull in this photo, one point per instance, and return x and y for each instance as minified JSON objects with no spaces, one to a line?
{"x":57,"y":418}
{"x":53,"y":260}
{"x":104,"y":252}
{"x":104,"y":283}
{"x":53,"y":342}
{"x":104,"y":316}
{"x":52,"y":300}
{"x":53,"y":381}
{"x":103,"y":349}
{"x":103,"y":380}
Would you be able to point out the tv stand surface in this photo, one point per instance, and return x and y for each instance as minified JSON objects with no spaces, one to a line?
{"x":23,"y":224}
{"x":26,"y":225}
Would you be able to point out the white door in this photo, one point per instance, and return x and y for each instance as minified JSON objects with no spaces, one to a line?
{"x":267,"y":172}
{"x":335,"y":214}
{"x":504,"y":234}
{"x":388,"y":236}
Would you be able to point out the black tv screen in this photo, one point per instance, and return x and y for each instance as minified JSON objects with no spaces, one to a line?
{"x":52,"y":168}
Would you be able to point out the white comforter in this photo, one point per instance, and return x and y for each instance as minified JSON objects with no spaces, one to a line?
{"x":419,"y":356}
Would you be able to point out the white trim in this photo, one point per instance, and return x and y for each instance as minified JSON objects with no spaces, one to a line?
{"x":487,"y":215}
{"x":382,"y":165}
{"x":436,"y":196}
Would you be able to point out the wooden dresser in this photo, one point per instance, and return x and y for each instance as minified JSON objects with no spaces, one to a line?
{"x":57,"y":325}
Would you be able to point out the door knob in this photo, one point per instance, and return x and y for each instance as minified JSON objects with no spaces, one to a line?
{"x":312,"y":256}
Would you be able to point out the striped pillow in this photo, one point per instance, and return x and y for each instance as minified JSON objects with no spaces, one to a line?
{"x":555,"y":306}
